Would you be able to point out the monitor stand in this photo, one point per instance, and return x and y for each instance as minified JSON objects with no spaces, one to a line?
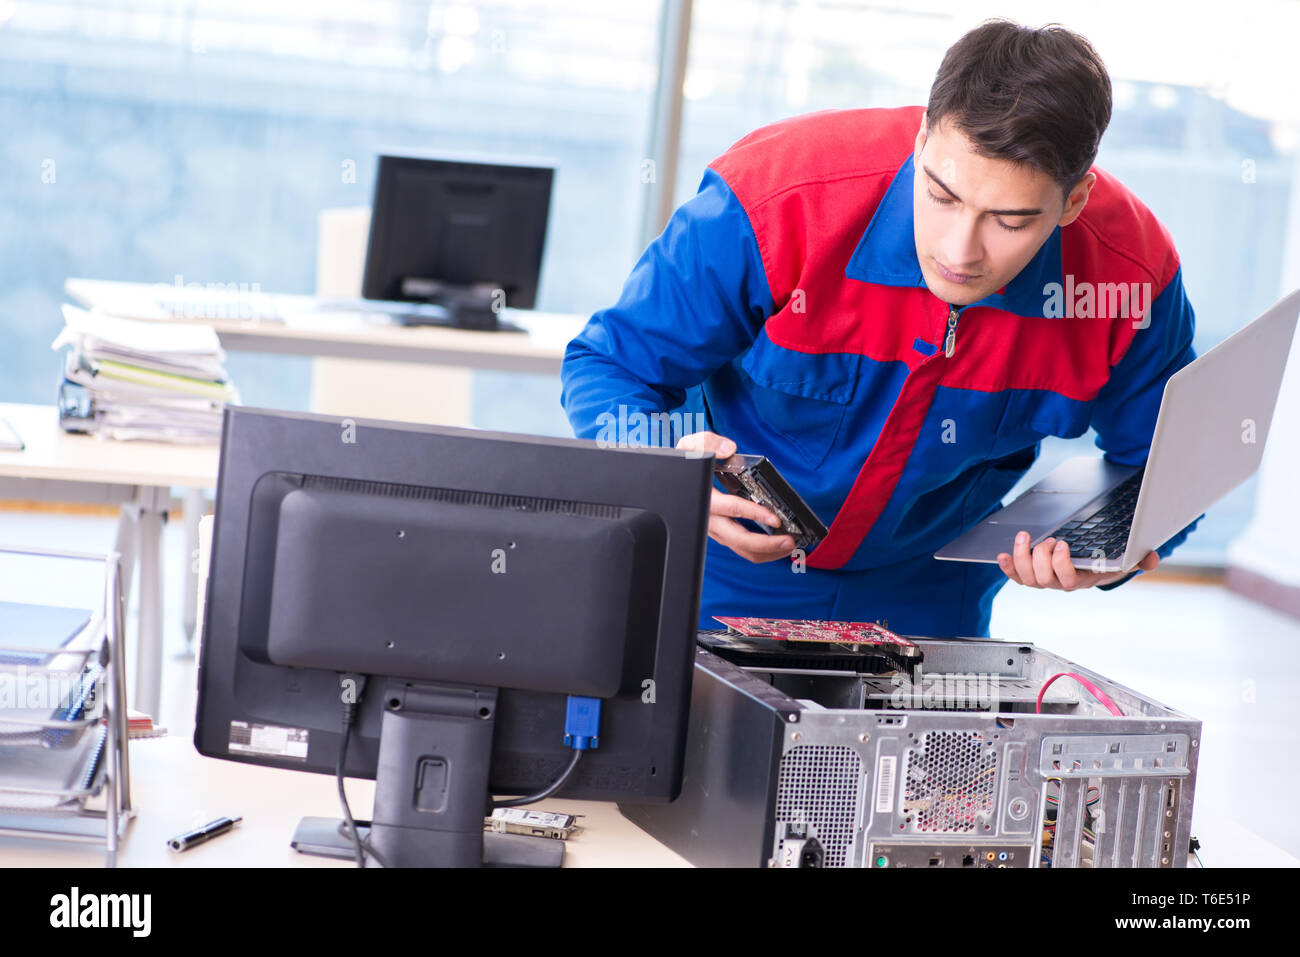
{"x":323,"y":837}
{"x":431,"y":787}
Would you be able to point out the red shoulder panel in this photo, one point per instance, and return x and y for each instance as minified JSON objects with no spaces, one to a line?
{"x":810,"y":184}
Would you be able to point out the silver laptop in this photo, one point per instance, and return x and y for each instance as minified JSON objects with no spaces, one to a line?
{"x":1209,"y":438}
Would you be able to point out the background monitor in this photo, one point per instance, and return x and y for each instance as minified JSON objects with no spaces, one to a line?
{"x":478,"y":579}
{"x":466,"y":236}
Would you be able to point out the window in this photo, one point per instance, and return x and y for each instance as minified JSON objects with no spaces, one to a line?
{"x":147,"y":139}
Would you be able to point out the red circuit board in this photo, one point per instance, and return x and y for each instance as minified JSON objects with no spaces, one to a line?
{"x":838,"y":632}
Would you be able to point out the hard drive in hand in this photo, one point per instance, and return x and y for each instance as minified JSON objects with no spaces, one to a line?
{"x":755,"y":478}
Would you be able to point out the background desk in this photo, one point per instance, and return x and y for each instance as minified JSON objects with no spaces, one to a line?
{"x":310,"y":331}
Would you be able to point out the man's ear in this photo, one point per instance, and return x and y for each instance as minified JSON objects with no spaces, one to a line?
{"x":920,"y":140}
{"x":1077,"y":199}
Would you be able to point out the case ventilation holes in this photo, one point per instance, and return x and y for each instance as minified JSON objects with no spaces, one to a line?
{"x":950,"y":782}
{"x":818,"y":785}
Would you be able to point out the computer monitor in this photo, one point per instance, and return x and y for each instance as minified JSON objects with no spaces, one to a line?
{"x":463,"y":235}
{"x":477,"y":580}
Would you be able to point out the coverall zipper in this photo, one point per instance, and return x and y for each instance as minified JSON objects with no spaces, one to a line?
{"x":950,"y":341}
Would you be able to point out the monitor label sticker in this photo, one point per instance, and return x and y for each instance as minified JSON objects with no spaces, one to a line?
{"x":268,"y":739}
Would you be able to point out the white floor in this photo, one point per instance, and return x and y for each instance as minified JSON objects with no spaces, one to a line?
{"x":1231,"y":663}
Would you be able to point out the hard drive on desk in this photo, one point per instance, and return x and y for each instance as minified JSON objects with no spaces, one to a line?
{"x":828,"y":767}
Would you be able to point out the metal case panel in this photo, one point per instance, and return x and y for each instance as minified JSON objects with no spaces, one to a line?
{"x":946,"y":778}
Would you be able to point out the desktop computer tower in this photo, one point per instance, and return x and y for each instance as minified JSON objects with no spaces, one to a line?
{"x":950,"y":766}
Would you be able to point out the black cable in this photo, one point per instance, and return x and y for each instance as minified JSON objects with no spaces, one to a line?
{"x":365,"y":842}
{"x":349,"y":717}
{"x":349,"y":824}
{"x":543,"y":795}
{"x":370,"y":849}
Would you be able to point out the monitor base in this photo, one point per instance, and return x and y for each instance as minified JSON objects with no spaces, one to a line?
{"x":458,"y":319}
{"x":473,"y":306}
{"x":322,"y":837}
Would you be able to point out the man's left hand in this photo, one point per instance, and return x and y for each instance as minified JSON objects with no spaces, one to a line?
{"x":1049,"y":566}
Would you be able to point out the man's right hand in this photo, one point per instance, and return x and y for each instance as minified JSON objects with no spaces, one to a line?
{"x":724,"y":509}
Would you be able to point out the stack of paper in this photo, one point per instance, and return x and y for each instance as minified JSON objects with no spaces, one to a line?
{"x":136,"y":379}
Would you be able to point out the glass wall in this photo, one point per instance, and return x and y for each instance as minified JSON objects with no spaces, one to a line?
{"x":148,"y":139}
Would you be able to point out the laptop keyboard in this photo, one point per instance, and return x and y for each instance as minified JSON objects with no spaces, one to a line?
{"x":1105,"y":530}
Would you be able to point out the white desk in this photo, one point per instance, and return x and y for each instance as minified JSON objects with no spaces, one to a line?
{"x":137,"y":476}
{"x":175,"y":789}
{"x":309,"y":331}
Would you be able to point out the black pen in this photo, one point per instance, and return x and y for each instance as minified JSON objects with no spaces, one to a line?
{"x":183,"y":842}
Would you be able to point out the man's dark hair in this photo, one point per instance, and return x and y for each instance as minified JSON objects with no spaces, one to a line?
{"x":1036,"y":97}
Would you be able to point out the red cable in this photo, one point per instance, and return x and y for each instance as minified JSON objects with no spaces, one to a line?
{"x":1092,"y":689}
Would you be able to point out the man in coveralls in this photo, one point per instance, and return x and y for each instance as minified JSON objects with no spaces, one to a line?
{"x":896,"y":306}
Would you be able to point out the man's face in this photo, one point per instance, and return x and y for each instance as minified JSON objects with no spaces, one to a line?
{"x":978,"y":221}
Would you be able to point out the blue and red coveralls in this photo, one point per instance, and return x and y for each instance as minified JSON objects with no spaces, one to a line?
{"x":786,"y":302}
